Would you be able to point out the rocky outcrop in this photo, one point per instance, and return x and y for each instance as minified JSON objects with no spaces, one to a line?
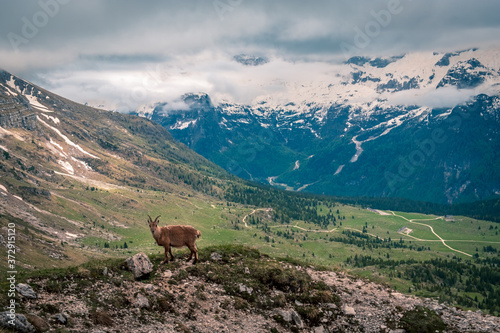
{"x":208,"y":298}
{"x":25,"y":290}
{"x":16,"y":117}
{"x":140,"y":265}
{"x":18,"y":322}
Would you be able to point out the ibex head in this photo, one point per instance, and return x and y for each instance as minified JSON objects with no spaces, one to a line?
{"x":153,"y":224}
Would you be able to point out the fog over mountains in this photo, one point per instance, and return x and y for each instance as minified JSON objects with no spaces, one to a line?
{"x":420,"y":125}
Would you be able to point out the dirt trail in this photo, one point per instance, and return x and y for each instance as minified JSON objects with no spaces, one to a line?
{"x":253,"y":212}
{"x":432,"y":230}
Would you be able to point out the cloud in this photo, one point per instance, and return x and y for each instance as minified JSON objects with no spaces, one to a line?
{"x":100,"y":49}
{"x":445,"y":97}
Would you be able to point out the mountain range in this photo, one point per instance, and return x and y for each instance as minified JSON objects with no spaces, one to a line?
{"x":422,"y":126}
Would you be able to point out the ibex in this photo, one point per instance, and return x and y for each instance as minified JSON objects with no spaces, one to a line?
{"x":175,"y":236}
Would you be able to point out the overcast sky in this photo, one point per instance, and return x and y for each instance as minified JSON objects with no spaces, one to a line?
{"x":96,"y":49}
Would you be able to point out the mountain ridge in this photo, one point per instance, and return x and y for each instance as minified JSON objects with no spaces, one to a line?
{"x":332,"y":129}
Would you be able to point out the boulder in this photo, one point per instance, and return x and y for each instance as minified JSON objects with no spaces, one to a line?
{"x":25,"y":290}
{"x":215,"y":256}
{"x":141,"y":301}
{"x":348,"y":310}
{"x":291,"y":316}
{"x":140,"y":265}
{"x":17,"y":322}
{"x":41,"y":325}
{"x":244,"y":288}
{"x":61,"y":318}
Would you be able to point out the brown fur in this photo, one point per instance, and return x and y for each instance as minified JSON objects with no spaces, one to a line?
{"x":175,"y":236}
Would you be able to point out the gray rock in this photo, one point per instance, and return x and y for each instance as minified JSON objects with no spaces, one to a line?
{"x":286,"y":315}
{"x":348,"y":310}
{"x":141,"y":301}
{"x":247,"y":271}
{"x":291,"y":316}
{"x":25,"y":290}
{"x":140,"y":265}
{"x":296,"y":319}
{"x":244,"y":288}
{"x":319,"y":329}
{"x":215,"y":256}
{"x":399,"y":330}
{"x":17,"y":322}
{"x":105,"y":271}
{"x":149,"y":287}
{"x":62,"y":318}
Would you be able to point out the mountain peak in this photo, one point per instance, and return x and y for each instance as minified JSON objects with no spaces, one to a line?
{"x":250,"y":60}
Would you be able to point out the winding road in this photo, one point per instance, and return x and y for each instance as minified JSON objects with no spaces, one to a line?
{"x":382,"y":213}
{"x":432,"y":230}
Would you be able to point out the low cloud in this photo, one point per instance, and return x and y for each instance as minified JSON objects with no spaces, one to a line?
{"x":445,"y":97}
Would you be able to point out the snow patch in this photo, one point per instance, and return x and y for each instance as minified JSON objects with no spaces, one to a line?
{"x":67,"y":166}
{"x":54,"y":119}
{"x":297,"y":165}
{"x":85,"y":165}
{"x":11,"y":83}
{"x":179,"y":125}
{"x":71,"y":235}
{"x":34,"y":102}
{"x":68,"y":141}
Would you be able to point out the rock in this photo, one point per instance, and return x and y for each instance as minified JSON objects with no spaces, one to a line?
{"x":296,"y":319}
{"x":41,"y":325}
{"x":17,"y":322}
{"x":331,"y":305}
{"x":25,"y":290}
{"x":215,"y":256}
{"x":298,"y":303}
{"x":319,"y":329}
{"x":61,"y":318}
{"x":399,"y":330}
{"x":247,"y":271}
{"x":286,"y":315}
{"x":244,"y":288}
{"x":140,"y":265}
{"x":105,"y":271}
{"x":167,"y":274}
{"x":348,"y":310}
{"x":291,"y":316}
{"x":149,"y":287}
{"x":141,"y":301}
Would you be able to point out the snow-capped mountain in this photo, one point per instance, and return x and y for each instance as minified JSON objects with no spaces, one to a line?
{"x":423,"y":126}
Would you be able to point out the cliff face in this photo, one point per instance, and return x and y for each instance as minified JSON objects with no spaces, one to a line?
{"x":12,"y":115}
{"x":15,"y":109}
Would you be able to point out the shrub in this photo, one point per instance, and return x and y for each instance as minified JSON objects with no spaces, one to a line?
{"x":422,"y":320}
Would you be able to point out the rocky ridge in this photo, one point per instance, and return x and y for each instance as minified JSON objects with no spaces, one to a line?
{"x":235,"y":290}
